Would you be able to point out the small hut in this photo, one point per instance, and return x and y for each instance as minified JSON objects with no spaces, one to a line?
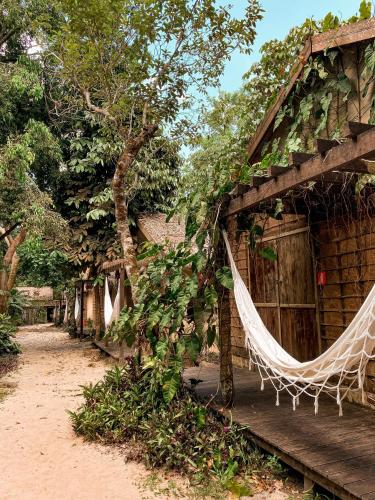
{"x":314,"y":202}
{"x":150,"y":227}
{"x":42,"y":306}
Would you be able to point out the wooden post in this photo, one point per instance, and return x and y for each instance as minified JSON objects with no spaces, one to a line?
{"x":225,"y":340}
{"x":225,"y":346}
{"x":81,"y":311}
{"x":97,"y":312}
{"x":122,"y":303}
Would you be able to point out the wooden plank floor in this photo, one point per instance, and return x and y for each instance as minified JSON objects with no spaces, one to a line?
{"x":336,"y":452}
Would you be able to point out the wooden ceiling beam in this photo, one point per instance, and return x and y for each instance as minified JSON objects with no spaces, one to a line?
{"x":258,"y":180}
{"x":324,"y":145}
{"x":276,"y":170}
{"x":340,"y":158}
{"x":353,"y":129}
{"x":344,"y":35}
{"x":296,"y":158}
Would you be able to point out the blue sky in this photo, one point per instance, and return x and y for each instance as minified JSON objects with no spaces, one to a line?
{"x":279,"y":17}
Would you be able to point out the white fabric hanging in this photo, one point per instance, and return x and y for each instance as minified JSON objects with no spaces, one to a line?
{"x":76,"y":307}
{"x":116,"y":306}
{"x":108,"y":308}
{"x":340,"y":369}
{"x":66,"y":310}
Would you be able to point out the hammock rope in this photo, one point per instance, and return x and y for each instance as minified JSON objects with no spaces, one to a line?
{"x":337,"y":371}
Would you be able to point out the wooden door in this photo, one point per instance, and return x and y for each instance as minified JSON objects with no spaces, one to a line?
{"x":284,"y":292}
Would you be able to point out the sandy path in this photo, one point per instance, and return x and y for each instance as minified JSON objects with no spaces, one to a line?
{"x":40,"y":456}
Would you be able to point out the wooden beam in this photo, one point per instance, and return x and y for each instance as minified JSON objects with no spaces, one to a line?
{"x":297,"y":158}
{"x":353,"y":129}
{"x":258,"y":180}
{"x":339,"y":158}
{"x":345,"y":35}
{"x":271,"y":115}
{"x":277,"y":170}
{"x":324,"y":145}
{"x":240,"y":189}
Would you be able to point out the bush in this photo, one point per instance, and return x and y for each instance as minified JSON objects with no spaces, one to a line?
{"x":182,"y":434}
{"x":7,"y":330}
{"x":17,"y":303}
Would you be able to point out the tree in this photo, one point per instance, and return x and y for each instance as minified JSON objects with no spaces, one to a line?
{"x":19,"y":22}
{"x":84,"y":196}
{"x":40,"y":265}
{"x":138,"y":65}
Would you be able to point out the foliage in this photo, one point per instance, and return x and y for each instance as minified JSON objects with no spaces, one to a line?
{"x":169,"y":283}
{"x":16,"y":305}
{"x":41,"y":266}
{"x":157,"y":55}
{"x":182,"y":435}
{"x":7,"y":330}
{"x":85,"y":196}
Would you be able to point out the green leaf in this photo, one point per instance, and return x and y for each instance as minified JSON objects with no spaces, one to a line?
{"x":170,"y":387}
{"x":193,"y":346}
{"x":365,"y":10}
{"x":268,"y":253}
{"x":200,"y":416}
{"x":225,"y":278}
{"x":210,"y":295}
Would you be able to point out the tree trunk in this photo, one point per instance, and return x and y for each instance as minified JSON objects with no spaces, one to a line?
{"x":125,"y":162}
{"x":13,"y":271}
{"x":8,"y":272}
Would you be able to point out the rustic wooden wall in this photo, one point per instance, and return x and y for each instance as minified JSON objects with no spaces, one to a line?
{"x":346,"y":252}
{"x":283,"y":292}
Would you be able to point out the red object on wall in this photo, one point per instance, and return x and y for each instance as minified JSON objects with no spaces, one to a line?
{"x":321,"y":278}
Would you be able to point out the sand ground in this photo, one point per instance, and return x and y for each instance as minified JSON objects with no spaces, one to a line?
{"x":40,"y":456}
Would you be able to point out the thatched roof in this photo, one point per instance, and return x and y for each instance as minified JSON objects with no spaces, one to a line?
{"x":156,"y":229}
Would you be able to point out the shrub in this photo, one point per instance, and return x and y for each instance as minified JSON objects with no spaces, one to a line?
{"x":182,"y":434}
{"x":7,"y":330}
{"x":17,"y":303}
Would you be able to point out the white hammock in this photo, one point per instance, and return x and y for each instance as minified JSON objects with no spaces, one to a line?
{"x":76,"y":307}
{"x":66,"y":316}
{"x":108,"y":307}
{"x":340,"y":369}
{"x":116,"y":306}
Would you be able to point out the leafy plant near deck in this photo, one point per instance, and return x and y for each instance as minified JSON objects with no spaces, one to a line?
{"x":7,"y":330}
{"x":181,"y":435}
{"x":175,"y":311}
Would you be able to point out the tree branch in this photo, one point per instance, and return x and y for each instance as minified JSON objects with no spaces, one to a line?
{"x":96,"y":109}
{"x":6,"y":232}
{"x":17,"y":241}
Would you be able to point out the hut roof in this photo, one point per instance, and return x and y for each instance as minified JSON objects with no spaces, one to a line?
{"x":345,"y":35}
{"x":155,"y":228}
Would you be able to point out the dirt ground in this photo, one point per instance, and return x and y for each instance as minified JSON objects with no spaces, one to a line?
{"x":40,"y":456}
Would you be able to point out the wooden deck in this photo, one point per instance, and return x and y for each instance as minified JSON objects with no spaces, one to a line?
{"x":335,"y":452}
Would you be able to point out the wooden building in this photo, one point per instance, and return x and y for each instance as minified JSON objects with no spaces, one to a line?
{"x":324,"y":236}
{"x":42,"y":305}
{"x":151,"y":227}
